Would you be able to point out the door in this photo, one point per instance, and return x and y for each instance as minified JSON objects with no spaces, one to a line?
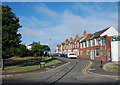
{"x":92,"y":55}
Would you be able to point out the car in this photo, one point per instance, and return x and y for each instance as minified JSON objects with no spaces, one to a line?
{"x":71,"y":55}
{"x":62,"y":55}
{"x":58,"y":54}
{"x":65,"y":55}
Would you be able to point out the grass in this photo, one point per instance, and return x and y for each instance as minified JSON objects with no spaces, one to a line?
{"x":29,"y":67}
{"x":113,"y":68}
{"x":26,"y":58}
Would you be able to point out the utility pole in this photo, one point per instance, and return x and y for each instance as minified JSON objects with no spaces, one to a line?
{"x":50,"y":45}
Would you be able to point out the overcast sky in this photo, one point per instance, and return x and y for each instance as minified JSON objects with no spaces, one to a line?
{"x":60,"y":20}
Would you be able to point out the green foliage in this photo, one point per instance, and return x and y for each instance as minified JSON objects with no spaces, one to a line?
{"x":38,"y":49}
{"x":10,"y":37}
{"x":21,"y":51}
{"x":45,"y":48}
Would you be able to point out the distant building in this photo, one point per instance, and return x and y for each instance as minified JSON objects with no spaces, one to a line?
{"x":30,"y":45}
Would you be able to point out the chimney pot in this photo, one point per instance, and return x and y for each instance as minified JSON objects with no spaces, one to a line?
{"x":77,"y":36}
{"x":85,"y":33}
{"x":71,"y":38}
{"x":39,"y":42}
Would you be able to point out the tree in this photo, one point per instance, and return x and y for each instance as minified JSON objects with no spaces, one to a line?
{"x":45,"y":48}
{"x":37,"y":50}
{"x":22,"y":51}
{"x":10,"y":36}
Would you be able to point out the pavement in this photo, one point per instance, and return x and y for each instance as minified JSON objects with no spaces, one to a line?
{"x":96,"y":69}
{"x":73,"y":73}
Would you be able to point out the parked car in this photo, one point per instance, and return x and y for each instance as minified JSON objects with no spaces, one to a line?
{"x":71,"y":55}
{"x":58,"y":54}
{"x":65,"y":55}
{"x":62,"y":55}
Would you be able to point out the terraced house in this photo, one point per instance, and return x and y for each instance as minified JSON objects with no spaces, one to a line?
{"x":96,"y":46}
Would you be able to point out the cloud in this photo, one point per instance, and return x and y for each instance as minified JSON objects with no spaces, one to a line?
{"x":43,"y":9}
{"x":70,"y":24}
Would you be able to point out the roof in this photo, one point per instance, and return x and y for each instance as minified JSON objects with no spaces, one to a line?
{"x":82,"y":39}
{"x":97,"y":34}
{"x":79,"y":38}
{"x":32,"y":44}
{"x":66,"y":42}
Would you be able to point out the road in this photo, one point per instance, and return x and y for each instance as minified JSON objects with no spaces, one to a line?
{"x":70,"y":73}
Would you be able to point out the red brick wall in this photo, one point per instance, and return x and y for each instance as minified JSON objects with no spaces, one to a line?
{"x":103,"y":58}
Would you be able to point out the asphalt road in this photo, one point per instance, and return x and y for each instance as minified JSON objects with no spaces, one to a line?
{"x":70,"y":73}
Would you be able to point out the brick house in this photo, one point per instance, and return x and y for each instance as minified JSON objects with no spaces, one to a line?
{"x":96,"y":46}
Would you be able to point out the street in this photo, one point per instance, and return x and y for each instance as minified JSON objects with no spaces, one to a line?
{"x":70,"y":73}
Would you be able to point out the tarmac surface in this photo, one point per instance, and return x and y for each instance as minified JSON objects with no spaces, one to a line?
{"x":71,"y":73}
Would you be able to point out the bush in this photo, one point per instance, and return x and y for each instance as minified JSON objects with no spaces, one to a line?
{"x":22,"y":51}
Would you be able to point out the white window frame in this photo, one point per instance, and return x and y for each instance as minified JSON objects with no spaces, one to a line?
{"x":81,"y":52}
{"x":88,"y":43}
{"x":96,"y":43}
{"x":81,"y":45}
{"x":84,"y":44}
{"x":78,"y":44}
{"x":87,"y":52}
{"x":92,"y":43}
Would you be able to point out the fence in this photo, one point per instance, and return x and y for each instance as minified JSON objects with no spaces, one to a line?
{"x":24,"y":62}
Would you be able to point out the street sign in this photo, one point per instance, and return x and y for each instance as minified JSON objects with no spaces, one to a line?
{"x":42,"y":62}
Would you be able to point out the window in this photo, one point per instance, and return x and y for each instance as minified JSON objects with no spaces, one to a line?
{"x":78,"y":44}
{"x":75,"y":44}
{"x":102,"y":53}
{"x":88,"y":52}
{"x":96,"y":41}
{"x":97,"y":52}
{"x":81,"y":52}
{"x":81,"y":45}
{"x":84,"y":44}
{"x":78,"y":52}
{"x":103,"y":41}
{"x":66,"y":46}
{"x":108,"y":53}
{"x":71,"y":46}
{"x":88,"y":43}
{"x":92,"y":43}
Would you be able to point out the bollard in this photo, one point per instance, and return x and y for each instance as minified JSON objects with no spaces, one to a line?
{"x":101,"y":64}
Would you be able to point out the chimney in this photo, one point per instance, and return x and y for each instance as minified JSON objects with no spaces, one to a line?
{"x":39,"y":42}
{"x":33,"y":42}
{"x":85,"y":33}
{"x":66,"y":40}
{"x":77,"y":36}
{"x":71,"y":38}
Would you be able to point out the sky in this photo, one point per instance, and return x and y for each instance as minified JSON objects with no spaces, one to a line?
{"x":42,"y":21}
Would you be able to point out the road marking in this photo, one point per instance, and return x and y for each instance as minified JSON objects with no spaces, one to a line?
{"x":34,"y":72}
{"x":84,"y":71}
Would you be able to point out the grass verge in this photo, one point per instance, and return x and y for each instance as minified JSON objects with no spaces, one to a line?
{"x":26,"y":58}
{"x":29,"y":67}
{"x":112,"y":68}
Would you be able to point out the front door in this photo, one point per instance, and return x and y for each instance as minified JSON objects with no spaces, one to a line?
{"x":92,"y":55}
